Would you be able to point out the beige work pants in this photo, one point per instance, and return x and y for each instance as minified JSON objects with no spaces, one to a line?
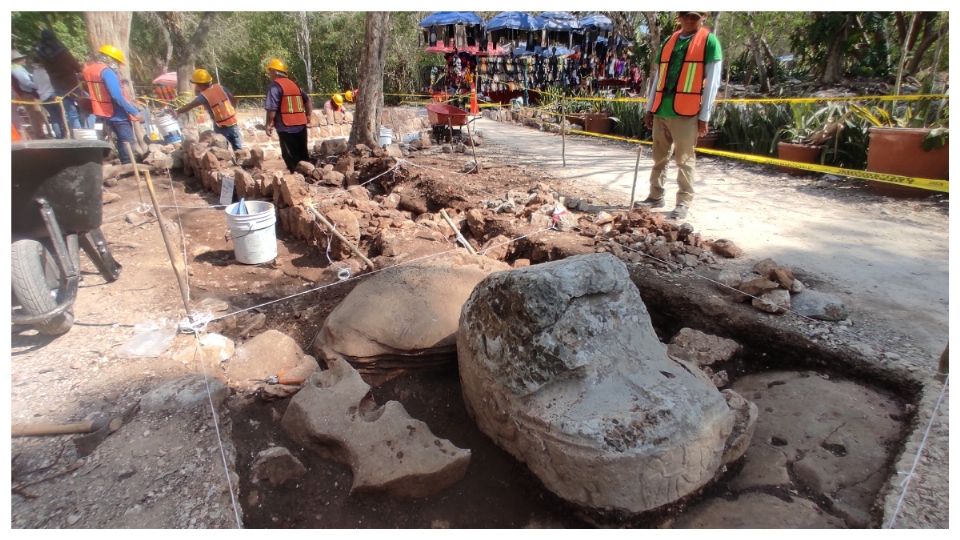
{"x":680,"y":135}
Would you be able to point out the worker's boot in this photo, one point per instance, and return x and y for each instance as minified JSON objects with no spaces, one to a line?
{"x":680,"y":212}
{"x":651,"y":203}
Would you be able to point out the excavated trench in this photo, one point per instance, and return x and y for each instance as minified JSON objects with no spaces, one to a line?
{"x":831,"y":424}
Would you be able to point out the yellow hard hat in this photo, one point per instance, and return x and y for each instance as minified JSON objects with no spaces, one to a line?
{"x":276,"y":64}
{"x":338,"y":99}
{"x":201,"y":76}
{"x":114,"y":53}
{"x":349,"y":95}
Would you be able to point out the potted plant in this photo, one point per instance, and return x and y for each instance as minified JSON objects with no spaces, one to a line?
{"x":903,"y":145}
{"x":597,"y":118}
{"x":805,"y":137}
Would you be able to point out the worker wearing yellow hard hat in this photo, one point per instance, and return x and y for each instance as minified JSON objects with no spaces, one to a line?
{"x":110,"y":99}
{"x":288,"y":110}
{"x":348,"y":95}
{"x":334,"y":104}
{"x":219,"y":102}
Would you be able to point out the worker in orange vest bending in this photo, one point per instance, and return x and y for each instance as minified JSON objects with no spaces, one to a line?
{"x":679,"y":102}
{"x":110,"y":101}
{"x":219,"y":103}
{"x":288,"y":110}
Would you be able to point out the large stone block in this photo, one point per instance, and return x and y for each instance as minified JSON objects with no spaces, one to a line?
{"x":560,"y":366}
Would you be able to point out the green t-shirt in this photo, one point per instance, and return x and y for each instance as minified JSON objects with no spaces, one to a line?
{"x":712,"y":53}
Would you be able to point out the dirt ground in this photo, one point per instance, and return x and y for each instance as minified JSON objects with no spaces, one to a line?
{"x":166,"y":470}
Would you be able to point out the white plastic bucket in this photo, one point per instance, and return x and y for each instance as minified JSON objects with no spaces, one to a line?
{"x":386,"y":136}
{"x":169,"y":128}
{"x":254,"y":234}
{"x":85,"y":134}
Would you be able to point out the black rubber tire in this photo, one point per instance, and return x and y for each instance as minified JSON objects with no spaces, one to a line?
{"x":35,"y":277}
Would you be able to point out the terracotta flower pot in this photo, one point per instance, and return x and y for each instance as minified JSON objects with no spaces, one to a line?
{"x":597,"y":123}
{"x":900,"y":151}
{"x":803,"y":153}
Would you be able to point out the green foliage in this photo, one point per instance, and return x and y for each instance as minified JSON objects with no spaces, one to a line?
{"x":937,"y":138}
{"x":25,"y":27}
{"x":629,"y":117}
{"x":752,"y":128}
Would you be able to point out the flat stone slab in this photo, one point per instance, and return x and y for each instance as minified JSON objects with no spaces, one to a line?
{"x":387,"y":450}
{"x":757,"y":511}
{"x":835,"y":434}
{"x":184,"y":393}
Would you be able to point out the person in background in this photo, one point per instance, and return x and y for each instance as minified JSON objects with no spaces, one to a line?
{"x":288,"y":110}
{"x":64,"y":71}
{"x":24,"y":89}
{"x":108,"y":100}
{"x":683,"y":87}
{"x":350,"y":96}
{"x":219,"y":102}
{"x":334,"y":104}
{"x":48,"y":96}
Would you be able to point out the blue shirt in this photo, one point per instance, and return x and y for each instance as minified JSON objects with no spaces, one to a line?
{"x":121,"y":107}
{"x":273,"y":104}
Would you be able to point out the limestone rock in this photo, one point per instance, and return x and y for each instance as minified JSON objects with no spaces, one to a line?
{"x":560,"y":366}
{"x":837,"y":444}
{"x":726,"y":248}
{"x":404,"y":317}
{"x":277,"y":466}
{"x":757,"y":511}
{"x":775,"y":301}
{"x":700,"y":348}
{"x":184,"y":393}
{"x":757,"y":286}
{"x":819,"y":305}
{"x":271,"y":353}
{"x":305,"y":167}
{"x":332,"y":178}
{"x":332,"y":147}
{"x":386,"y":449}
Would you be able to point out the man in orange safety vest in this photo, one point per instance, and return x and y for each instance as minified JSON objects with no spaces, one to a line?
{"x":219,"y":103}
{"x":680,"y":98}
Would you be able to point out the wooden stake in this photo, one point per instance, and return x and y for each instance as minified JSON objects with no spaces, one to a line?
{"x":67,"y":132}
{"x":136,"y":171}
{"x":184,"y":292}
{"x":356,"y":251}
{"x":456,"y":231}
{"x":563,"y":137}
{"x":476,"y":163}
{"x":636,"y":170}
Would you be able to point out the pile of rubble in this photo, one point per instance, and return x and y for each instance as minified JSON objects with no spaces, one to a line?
{"x":773,"y":288}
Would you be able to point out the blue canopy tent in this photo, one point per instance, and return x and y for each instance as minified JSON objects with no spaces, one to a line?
{"x":558,"y":28}
{"x":445,"y":30}
{"x":513,"y":20}
{"x":596,"y":22}
{"x":443,"y":18}
{"x":510,"y":31}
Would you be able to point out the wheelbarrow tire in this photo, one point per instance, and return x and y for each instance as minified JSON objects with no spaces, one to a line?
{"x":35,"y":277}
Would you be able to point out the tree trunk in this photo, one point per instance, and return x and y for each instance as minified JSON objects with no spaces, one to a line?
{"x":756,"y":49}
{"x":715,"y":27}
{"x":303,"y":47}
{"x":185,"y":48}
{"x":931,"y":32}
{"x":366,"y":120}
{"x":903,"y":59}
{"x":653,"y":42}
{"x":833,"y":66}
{"x":113,"y":28}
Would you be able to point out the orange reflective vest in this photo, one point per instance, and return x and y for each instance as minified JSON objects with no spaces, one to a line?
{"x":689,"y":89}
{"x":291,"y":110}
{"x":100,"y":101}
{"x":224,"y":115}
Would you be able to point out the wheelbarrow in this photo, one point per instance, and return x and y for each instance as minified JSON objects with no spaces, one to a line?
{"x":444,"y":117}
{"x":56,"y":209}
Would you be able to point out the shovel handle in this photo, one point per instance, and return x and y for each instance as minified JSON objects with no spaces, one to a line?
{"x":44,"y":428}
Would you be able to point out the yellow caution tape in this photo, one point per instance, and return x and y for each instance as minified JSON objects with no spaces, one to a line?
{"x":911,"y":97}
{"x":920,"y":183}
{"x":21,"y":102}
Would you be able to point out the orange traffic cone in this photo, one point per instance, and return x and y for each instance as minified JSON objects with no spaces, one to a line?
{"x":474,"y":108}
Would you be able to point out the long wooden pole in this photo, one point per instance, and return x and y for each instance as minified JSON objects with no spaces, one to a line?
{"x":356,"y":251}
{"x":563,"y":137}
{"x":136,"y":171}
{"x":67,"y":132}
{"x":456,"y":231}
{"x":636,"y":170}
{"x":476,"y":162}
{"x":184,"y":292}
